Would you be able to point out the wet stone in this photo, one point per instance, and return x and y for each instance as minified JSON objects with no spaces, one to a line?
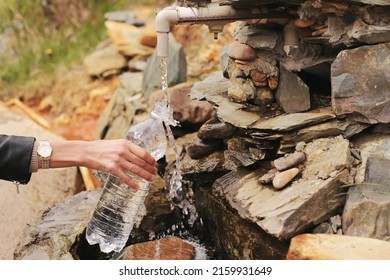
{"x":168,"y":248}
{"x":185,"y":110}
{"x":289,"y":160}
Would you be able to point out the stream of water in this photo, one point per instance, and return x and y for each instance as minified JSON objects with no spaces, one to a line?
{"x":175,"y":186}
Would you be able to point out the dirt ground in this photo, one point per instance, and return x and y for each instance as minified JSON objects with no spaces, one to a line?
{"x":47,"y":187}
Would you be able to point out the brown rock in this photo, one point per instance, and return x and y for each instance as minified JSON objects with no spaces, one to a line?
{"x":243,"y":62}
{"x":264,"y":96}
{"x":216,"y":129}
{"x":169,"y":248}
{"x":303,"y":23}
{"x":240,"y":51}
{"x":199,"y":149}
{"x":103,"y":60}
{"x":337,"y":247}
{"x":185,"y":110}
{"x":126,"y":38}
{"x":259,"y":78}
{"x":149,"y":37}
{"x":268,"y":177}
{"x":149,"y":40}
{"x":319,"y":32}
{"x":240,"y":64}
{"x":273,"y":82}
{"x":283,"y":178}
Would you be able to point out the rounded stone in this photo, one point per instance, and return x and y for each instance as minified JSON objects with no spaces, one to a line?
{"x":283,"y":178}
{"x":168,"y":248}
{"x":289,"y":160}
{"x":273,"y":82}
{"x":303,"y":23}
{"x":259,"y":78}
{"x":240,"y":51}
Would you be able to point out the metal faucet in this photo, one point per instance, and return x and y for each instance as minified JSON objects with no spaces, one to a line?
{"x":214,"y":15}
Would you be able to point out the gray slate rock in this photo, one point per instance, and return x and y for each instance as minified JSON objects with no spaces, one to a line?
{"x":52,"y":236}
{"x":292,"y":93}
{"x":360,"y":84}
{"x":215,"y":129}
{"x":368,"y":204}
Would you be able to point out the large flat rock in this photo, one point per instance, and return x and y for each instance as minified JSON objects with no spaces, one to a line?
{"x":305,"y":203}
{"x":337,"y":247}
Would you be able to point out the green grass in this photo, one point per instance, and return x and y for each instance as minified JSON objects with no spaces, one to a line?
{"x":40,"y":47}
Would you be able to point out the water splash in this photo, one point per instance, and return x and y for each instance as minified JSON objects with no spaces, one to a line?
{"x":176,"y":192}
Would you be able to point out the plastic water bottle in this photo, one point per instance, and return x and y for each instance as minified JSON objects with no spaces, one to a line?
{"x":118,"y":207}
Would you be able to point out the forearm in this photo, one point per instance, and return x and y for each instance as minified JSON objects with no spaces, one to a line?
{"x":67,"y":153}
{"x":112,"y":156}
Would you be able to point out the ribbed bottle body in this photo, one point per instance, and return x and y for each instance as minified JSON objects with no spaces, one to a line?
{"x":118,"y":207}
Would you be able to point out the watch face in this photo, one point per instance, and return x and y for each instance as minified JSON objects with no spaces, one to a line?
{"x":45,"y":151}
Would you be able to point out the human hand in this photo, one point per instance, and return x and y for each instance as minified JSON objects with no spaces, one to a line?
{"x":111,"y":156}
{"x":118,"y":156}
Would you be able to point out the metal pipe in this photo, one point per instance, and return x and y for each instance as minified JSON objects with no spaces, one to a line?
{"x":213,"y":15}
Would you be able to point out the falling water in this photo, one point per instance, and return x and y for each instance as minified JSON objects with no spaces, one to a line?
{"x":175,"y":182}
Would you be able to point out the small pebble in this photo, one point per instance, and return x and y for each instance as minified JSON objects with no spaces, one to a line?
{"x":268,"y":177}
{"x":289,"y":160}
{"x":283,"y":178}
{"x":355,"y":154}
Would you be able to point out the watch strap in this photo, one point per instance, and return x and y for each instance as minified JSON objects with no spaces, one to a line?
{"x":45,"y":163}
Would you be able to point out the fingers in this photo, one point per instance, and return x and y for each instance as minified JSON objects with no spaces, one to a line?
{"x":126,"y":179}
{"x":141,"y":153}
{"x":139,"y":171}
{"x":119,"y":157}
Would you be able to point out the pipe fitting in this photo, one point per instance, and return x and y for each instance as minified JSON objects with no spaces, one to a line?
{"x":291,"y":39}
{"x":214,"y":15}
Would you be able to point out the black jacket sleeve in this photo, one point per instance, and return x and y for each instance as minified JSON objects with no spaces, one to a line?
{"x":15,"y":158}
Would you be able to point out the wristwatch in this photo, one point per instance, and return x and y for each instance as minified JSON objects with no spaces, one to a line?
{"x":44,"y":153}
